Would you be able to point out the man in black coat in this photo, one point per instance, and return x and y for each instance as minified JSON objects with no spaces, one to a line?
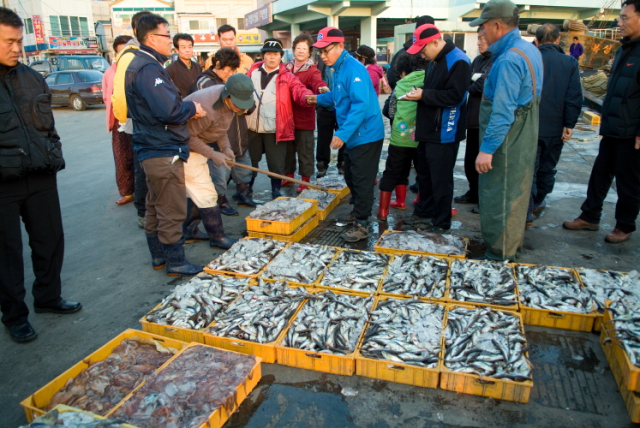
{"x":30,"y":157}
{"x":392,"y":74}
{"x":184,"y":71}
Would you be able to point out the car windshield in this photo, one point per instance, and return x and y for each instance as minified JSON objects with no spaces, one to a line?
{"x":88,"y":76}
{"x":99,"y":63}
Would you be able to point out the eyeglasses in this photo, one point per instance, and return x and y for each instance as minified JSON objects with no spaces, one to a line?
{"x":163,"y":35}
{"x":325,"y":52}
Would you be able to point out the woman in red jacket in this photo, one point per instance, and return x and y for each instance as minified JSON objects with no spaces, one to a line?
{"x":304,"y":117}
{"x":367,"y":56}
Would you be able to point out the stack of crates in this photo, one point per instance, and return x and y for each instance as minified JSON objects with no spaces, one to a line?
{"x":292,"y":231}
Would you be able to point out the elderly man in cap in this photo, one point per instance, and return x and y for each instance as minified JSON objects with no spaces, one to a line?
{"x":508,"y":130}
{"x":360,"y":126}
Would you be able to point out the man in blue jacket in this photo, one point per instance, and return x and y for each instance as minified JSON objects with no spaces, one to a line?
{"x":160,"y":141}
{"x":360,"y":126}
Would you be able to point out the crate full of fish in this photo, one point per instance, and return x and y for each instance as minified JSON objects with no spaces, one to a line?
{"x":200,"y":387}
{"x":403,"y":342}
{"x":254,"y":322}
{"x":192,"y":306}
{"x":485,"y":354}
{"x":609,"y":285}
{"x":325,"y":332}
{"x":431,"y":244}
{"x":358,"y":272}
{"x":282,"y":216}
{"x":66,"y":416}
{"x":115,"y":369}
{"x":621,"y":321}
{"x":419,"y":276}
{"x":247,"y":257}
{"x":300,"y":264}
{"x":327,"y":201}
{"x":483,"y":283}
{"x":334,"y":184}
{"x":554,"y":297}
{"x":296,"y":236}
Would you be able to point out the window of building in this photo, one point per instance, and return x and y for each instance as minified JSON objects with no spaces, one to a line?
{"x":240,"y":24}
{"x":456,"y":38}
{"x":65,"y":27}
{"x":28,"y":26}
{"x":75,"y":26}
{"x":220,"y":22}
{"x":198,"y":25}
{"x":84,"y":27}
{"x":54,"y":24}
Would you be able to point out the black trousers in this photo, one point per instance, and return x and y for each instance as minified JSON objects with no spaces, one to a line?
{"x":360,"y":169}
{"x":435,"y":180}
{"x":398,"y":166}
{"x":544,"y":176}
{"x":265,"y":143}
{"x":470,"y":154}
{"x":33,"y":199}
{"x":327,"y":125}
{"x":617,"y":158}
{"x":140,"y":187}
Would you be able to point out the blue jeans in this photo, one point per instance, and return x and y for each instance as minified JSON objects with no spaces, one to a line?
{"x":220,"y":175}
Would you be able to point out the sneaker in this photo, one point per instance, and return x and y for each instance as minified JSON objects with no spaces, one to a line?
{"x":349,"y":218}
{"x":357,"y":232}
{"x":537,"y":209}
{"x":141,"y":222}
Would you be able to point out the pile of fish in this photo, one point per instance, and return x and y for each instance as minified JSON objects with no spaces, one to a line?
{"x":625,"y":324}
{"x":329,"y":323}
{"x":482,"y":282}
{"x":194,"y":305}
{"x":102,"y":385}
{"x":183,"y":394}
{"x":323,"y":198}
{"x":260,"y":314}
{"x":611,"y":285}
{"x":356,"y":270}
{"x":405,"y":331}
{"x":248,"y":256}
{"x":72,"y":419}
{"x":300,"y":263}
{"x":334,"y":182}
{"x":282,"y":209}
{"x":542,"y":287}
{"x":423,"y":276}
{"x":486,"y":342}
{"x":434,"y":243}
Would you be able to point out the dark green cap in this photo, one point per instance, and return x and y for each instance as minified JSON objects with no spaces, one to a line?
{"x":495,"y":9}
{"x":240,"y":88}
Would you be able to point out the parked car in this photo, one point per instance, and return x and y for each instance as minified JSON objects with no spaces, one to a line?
{"x":77,"y":89}
{"x":42,"y":67}
{"x":64,"y":63}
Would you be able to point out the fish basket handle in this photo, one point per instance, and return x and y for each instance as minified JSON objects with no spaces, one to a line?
{"x":485,"y":382}
{"x":313,"y":355}
{"x":237,"y":343}
{"x":394,"y":367}
{"x":556,"y":314}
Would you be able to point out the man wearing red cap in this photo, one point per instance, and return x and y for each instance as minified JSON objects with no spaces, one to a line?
{"x":440,"y":124}
{"x":360,"y":126}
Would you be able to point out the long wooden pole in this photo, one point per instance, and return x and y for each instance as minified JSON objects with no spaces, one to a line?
{"x":281,"y":177}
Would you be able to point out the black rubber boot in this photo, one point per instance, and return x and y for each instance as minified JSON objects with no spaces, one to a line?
{"x":155,"y":247}
{"x":190,"y":231}
{"x":244,"y":198}
{"x":225,"y":206}
{"x":235,"y":195}
{"x":177,"y":264}
{"x":212,"y":221}
{"x":275,"y":188}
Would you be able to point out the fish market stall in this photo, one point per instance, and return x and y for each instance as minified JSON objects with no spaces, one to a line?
{"x":420,"y":276}
{"x":431,"y":244}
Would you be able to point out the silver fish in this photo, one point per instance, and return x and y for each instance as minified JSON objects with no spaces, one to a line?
{"x":611,"y":285}
{"x":72,"y":419}
{"x":356,"y":270}
{"x":486,"y":342}
{"x":423,"y":276}
{"x":405,"y":331}
{"x":625,"y":326}
{"x":300,"y":263}
{"x":334,"y":182}
{"x":323,"y":198}
{"x":482,"y":282}
{"x":424,"y":242}
{"x":329,"y":323}
{"x":248,"y":256}
{"x":542,"y":287}
{"x":284,"y":209}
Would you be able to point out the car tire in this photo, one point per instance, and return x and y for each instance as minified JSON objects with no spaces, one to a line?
{"x":77,"y":103}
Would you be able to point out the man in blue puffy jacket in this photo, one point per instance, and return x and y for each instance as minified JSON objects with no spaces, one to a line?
{"x":360,"y":126}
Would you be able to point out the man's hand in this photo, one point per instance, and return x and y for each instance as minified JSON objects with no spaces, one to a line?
{"x":336,"y":143}
{"x":637,"y":143}
{"x":229,"y":153}
{"x":220,"y":159}
{"x":413,"y":95}
{"x":312,"y":99}
{"x":567,"y":133}
{"x":483,"y":162}
{"x":323,"y":89}
{"x":200,"y":112}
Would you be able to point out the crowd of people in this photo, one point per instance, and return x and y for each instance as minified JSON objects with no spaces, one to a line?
{"x":180,"y":134}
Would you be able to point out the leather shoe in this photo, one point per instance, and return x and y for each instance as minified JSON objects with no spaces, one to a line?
{"x":22,"y":333}
{"x":465,"y":199}
{"x":125,"y":200}
{"x":617,"y":236}
{"x":580,"y":224}
{"x":62,"y":307}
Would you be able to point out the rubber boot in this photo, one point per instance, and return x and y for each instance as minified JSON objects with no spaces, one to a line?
{"x":244,"y":199}
{"x":302,"y":186}
{"x":190,"y":231}
{"x":155,"y":247}
{"x":235,"y":195}
{"x":383,"y":208}
{"x":275,"y":188}
{"x":287,"y":182}
{"x":212,"y":221}
{"x":401,"y":198}
{"x":177,"y":264}
{"x":225,"y":206}
{"x":417,"y":199}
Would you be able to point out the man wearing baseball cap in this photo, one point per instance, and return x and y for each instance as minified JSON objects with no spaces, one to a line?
{"x":440,"y":124}
{"x":508,"y":130}
{"x":360,"y":126}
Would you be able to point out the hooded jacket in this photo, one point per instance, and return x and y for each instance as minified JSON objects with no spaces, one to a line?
{"x":375,"y":73}
{"x":309,"y":75}
{"x":480,"y":65}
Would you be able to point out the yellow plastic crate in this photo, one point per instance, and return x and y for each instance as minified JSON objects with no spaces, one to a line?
{"x":408,"y":296}
{"x":630,"y":373}
{"x":597,"y":324}
{"x":297,"y":236}
{"x":379,"y":248}
{"x":324,"y":213}
{"x":61,"y":408}
{"x":34,"y":404}
{"x":340,"y":192}
{"x":281,"y":227}
{"x":207,"y":269}
{"x":295,"y":284}
{"x":360,"y":293}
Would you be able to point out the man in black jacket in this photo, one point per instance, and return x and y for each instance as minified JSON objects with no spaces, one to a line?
{"x":560,"y":106}
{"x":30,"y":157}
{"x":184,"y":71}
{"x":619,"y":154}
{"x":392,"y":73}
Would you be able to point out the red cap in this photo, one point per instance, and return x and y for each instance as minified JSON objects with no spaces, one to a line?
{"x":328,"y":35}
{"x":423,"y":35}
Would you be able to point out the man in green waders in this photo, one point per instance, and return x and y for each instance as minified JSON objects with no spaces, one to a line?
{"x":508,"y":130}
